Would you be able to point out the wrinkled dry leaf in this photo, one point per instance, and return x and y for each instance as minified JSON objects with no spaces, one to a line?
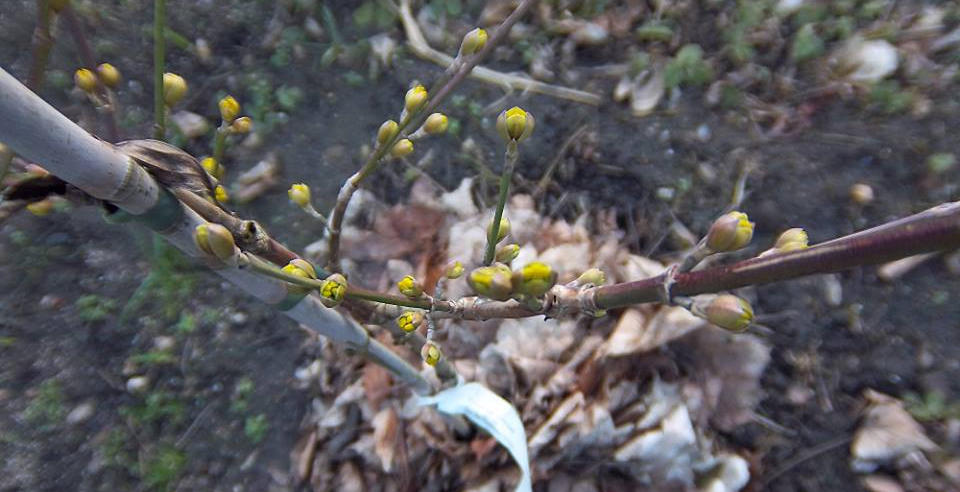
{"x":887,"y":433}
{"x":386,"y":435}
{"x":636,"y":333}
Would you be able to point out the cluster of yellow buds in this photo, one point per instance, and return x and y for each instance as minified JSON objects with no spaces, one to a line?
{"x":230,"y":114}
{"x":515,"y":124}
{"x":215,"y":240}
{"x":730,"y":232}
{"x":333,"y":291}
{"x":727,"y":311}
{"x":431,"y":353}
{"x":410,"y":287}
{"x":174,"y":88}
{"x":409,"y":321}
{"x":499,"y":282}
{"x":88,"y":80}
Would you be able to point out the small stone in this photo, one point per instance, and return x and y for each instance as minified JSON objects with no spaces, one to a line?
{"x":164,"y":343}
{"x":192,"y":125}
{"x":138,"y":384}
{"x":704,"y":133}
{"x":51,"y":301}
{"x":81,"y":413}
{"x":861,"y":193}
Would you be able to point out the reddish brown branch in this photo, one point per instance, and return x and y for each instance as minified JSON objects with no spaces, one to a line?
{"x":936,"y":229}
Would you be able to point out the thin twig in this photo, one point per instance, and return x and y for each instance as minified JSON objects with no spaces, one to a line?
{"x":545,"y":180}
{"x":42,"y":43}
{"x":421,"y":48}
{"x":159,"y":56}
{"x":806,"y":456}
{"x":89,"y":60}
{"x":510,"y":161}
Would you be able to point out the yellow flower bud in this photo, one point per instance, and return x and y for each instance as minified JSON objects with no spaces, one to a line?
{"x":402,"y":148}
{"x":415,"y":98}
{"x":333,"y":291}
{"x":301,"y":268}
{"x":730,"y":232}
{"x":508,"y":253}
{"x":299,"y":194}
{"x":515,"y":124}
{"x":453,"y":270}
{"x":174,"y":88}
{"x":387,"y":131}
{"x":241,"y":125}
{"x":431,"y":353}
{"x":409,"y":321}
{"x":41,"y":208}
{"x":504,"y":230}
{"x":534,"y":279}
{"x":221,"y":194}
{"x":109,"y":75}
{"x":215,"y":239}
{"x":410,"y":287}
{"x":85,"y":79}
{"x":861,"y":193}
{"x":495,"y":282}
{"x":229,"y":109}
{"x":435,"y":123}
{"x":473,"y":42}
{"x":791,"y":240}
{"x":728,"y":312}
{"x":593,"y":276}
{"x":213,"y":167}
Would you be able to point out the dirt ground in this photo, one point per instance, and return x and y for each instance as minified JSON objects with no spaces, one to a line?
{"x":85,"y":304}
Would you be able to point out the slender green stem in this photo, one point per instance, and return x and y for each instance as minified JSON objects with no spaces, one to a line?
{"x":220,"y":144}
{"x":42,"y":43}
{"x":159,"y":56}
{"x":510,"y":161}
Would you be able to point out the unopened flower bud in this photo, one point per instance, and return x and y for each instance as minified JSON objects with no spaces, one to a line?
{"x":453,"y":270}
{"x":215,"y":239}
{"x":431,"y":353}
{"x":410,"y":287}
{"x":728,"y":312}
{"x":503,"y":231}
{"x":508,"y":253}
{"x":409,"y":321}
{"x":436,"y":123}
{"x":301,"y":268}
{"x":85,"y":79}
{"x":241,"y":125}
{"x":229,"y":109}
{"x":534,"y":279}
{"x":515,"y":124}
{"x":212,"y":167}
{"x":402,"y":148}
{"x":415,"y":98}
{"x":334,"y":290}
{"x":174,"y":88}
{"x":473,"y":42}
{"x":299,"y":194}
{"x":495,"y":282}
{"x":109,"y":75}
{"x":387,"y":131}
{"x":791,"y":240}
{"x":220,"y":193}
{"x":730,"y":232}
{"x":593,"y":276}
